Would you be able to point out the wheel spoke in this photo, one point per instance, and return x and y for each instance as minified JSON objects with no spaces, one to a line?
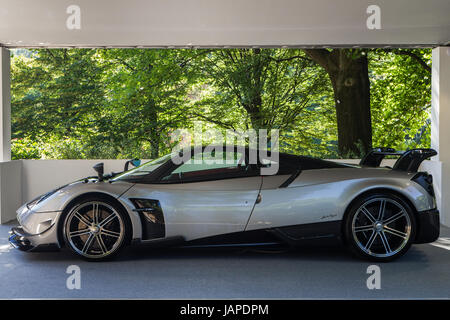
{"x":95,"y":212}
{"x":394,"y":218}
{"x":363,"y":228}
{"x":382,"y":209}
{"x":371,"y":240}
{"x":368,"y":214}
{"x":110,"y":233}
{"x":101,"y":243}
{"x":78,"y":233}
{"x":107,"y":220}
{"x":88,"y":243}
{"x":395,"y":232}
{"x":385,"y":242}
{"x":82,"y":218}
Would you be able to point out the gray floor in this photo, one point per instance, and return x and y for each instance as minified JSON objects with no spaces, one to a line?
{"x":327,"y":272}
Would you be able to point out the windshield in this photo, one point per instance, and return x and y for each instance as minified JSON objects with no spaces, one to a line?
{"x":143,"y":170}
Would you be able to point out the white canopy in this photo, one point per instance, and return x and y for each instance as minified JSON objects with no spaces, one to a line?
{"x":209,"y":23}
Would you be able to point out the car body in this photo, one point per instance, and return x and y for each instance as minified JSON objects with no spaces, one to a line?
{"x":163,"y":202}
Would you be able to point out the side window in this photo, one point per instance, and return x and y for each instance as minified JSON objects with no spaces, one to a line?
{"x":210,"y":166}
{"x":287,"y":164}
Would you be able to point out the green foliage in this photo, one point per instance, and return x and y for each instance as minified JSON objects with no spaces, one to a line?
{"x":25,"y":148}
{"x":56,"y":92}
{"x":146,"y":99}
{"x":124,"y":103}
{"x":400,"y":99}
{"x":271,"y":89}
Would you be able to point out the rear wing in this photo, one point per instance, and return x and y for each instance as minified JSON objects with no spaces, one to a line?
{"x":409,"y":160}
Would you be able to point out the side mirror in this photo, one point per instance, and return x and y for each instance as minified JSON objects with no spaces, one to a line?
{"x":134,"y":162}
{"x":99,"y":169}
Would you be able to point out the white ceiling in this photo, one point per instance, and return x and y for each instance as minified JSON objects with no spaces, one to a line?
{"x":234,"y":23}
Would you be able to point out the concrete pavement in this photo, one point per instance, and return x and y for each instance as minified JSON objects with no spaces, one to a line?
{"x":311,"y":273}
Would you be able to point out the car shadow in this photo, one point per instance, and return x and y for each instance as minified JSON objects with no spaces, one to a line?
{"x":415,"y":257}
{"x":142,"y":252}
{"x":254,"y":252}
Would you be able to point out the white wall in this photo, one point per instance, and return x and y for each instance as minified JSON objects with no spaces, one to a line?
{"x":440,"y":128}
{"x":23,"y":180}
{"x":5,"y":105}
{"x":39,"y":176}
{"x":10,"y":189}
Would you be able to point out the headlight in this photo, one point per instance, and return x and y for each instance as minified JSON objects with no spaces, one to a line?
{"x":33,"y":202}
{"x":41,"y":198}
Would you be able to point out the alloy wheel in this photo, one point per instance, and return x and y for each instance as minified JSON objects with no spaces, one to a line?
{"x":381,"y":227}
{"x":94,"y":229}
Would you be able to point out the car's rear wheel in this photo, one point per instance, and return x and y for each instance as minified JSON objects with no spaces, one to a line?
{"x":380,"y":227}
{"x":95,"y":229}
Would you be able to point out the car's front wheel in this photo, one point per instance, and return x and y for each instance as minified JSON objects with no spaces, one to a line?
{"x":380,"y":227}
{"x":95,"y":229}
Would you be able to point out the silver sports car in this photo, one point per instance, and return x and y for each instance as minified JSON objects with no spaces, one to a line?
{"x":377,"y":212}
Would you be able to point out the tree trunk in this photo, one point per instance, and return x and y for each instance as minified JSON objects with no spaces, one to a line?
{"x":352,"y":97}
{"x":153,"y":128}
{"x":253,"y":101}
{"x":155,"y":147}
{"x":349,"y":75}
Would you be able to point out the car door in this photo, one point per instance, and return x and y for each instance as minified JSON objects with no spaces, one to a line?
{"x":302,"y":192}
{"x":204,"y":199}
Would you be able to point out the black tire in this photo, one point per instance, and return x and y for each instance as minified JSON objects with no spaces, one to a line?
{"x":95,"y":237}
{"x":385,"y":238}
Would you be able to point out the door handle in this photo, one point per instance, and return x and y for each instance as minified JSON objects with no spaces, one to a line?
{"x":258,"y":198}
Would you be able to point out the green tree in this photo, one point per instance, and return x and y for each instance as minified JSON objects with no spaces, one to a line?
{"x":56,"y":93}
{"x":262,"y":89}
{"x":349,"y":75}
{"x":401,"y":97}
{"x":348,"y":70}
{"x":121,"y":103}
{"x":49,"y":92}
{"x":146,"y":97}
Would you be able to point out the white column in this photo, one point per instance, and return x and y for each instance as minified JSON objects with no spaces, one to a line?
{"x":5,"y":106}
{"x":440,"y":129}
{"x":10,"y":171}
